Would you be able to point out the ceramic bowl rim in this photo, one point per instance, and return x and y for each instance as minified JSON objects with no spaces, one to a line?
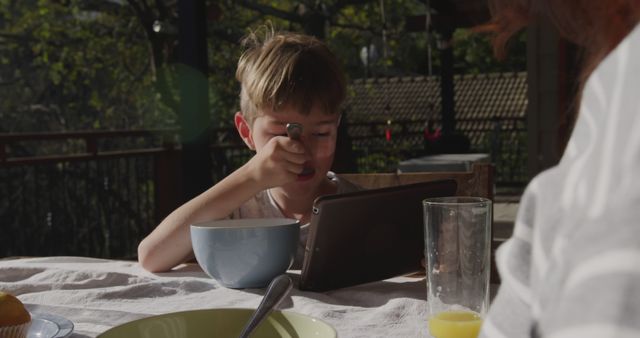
{"x":223,"y":309}
{"x":247,"y":223}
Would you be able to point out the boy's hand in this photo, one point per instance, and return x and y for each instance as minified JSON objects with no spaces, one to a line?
{"x":278,"y":162}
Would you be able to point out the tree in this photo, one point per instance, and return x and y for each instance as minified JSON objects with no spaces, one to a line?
{"x":72,"y":67}
{"x":107,"y":64}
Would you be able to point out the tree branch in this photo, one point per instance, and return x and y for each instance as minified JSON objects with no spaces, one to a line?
{"x":162,"y":10}
{"x":17,"y":37}
{"x":101,"y":6}
{"x":8,"y":83}
{"x":339,"y":5}
{"x":268,"y":10}
{"x":146,"y":6}
{"x":136,"y":75}
{"x":163,"y":86}
{"x":224,"y":34}
{"x":137,"y":10}
{"x":356,"y":27}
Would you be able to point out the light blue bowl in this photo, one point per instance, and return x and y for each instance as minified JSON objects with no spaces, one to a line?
{"x":245,"y":253}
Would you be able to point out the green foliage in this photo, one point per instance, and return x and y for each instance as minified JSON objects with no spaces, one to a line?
{"x":75,"y":69}
{"x":508,"y":149}
{"x":474,"y":55}
{"x":79,"y":64}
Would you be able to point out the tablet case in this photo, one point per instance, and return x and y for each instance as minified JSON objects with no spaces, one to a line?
{"x":367,"y":235}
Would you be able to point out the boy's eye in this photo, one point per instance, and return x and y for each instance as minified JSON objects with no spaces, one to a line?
{"x":321,"y":134}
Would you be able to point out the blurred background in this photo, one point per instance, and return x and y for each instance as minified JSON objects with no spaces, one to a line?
{"x":114,"y":112}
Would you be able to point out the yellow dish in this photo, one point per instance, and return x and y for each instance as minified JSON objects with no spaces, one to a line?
{"x":221,"y":323}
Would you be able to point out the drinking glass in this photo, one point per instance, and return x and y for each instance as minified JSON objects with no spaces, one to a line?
{"x":457,"y":252}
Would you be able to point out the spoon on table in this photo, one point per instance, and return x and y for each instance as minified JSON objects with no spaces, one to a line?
{"x":278,"y":288}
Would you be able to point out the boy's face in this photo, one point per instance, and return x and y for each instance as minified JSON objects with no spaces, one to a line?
{"x":319,"y":132}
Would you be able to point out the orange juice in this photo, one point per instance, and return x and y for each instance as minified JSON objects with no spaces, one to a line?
{"x":455,"y":324}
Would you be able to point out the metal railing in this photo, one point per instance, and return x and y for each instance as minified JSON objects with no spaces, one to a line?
{"x":99,"y":193}
{"x":504,"y":139}
{"x":72,"y":194}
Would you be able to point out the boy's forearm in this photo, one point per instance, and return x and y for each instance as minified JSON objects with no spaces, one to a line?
{"x":170,"y":243}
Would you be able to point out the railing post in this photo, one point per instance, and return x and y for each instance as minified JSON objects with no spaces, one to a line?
{"x":91,"y":145}
{"x":168,"y":180}
{"x":496,"y":141}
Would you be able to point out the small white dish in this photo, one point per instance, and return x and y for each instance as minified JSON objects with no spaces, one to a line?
{"x":46,"y":325}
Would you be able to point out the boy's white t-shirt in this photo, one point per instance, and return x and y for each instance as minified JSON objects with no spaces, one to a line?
{"x":262,"y":205}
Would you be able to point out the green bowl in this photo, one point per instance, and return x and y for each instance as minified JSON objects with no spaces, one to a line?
{"x":221,"y":323}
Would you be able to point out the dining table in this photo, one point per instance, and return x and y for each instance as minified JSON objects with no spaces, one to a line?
{"x":97,"y":294}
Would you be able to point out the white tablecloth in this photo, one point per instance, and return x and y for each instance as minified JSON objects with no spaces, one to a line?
{"x":97,"y":294}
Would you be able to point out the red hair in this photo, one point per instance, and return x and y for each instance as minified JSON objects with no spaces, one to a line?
{"x":597,"y":26}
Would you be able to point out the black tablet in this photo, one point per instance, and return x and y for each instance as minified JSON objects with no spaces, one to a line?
{"x":367,"y":235}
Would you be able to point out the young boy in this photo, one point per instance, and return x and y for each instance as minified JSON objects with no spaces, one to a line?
{"x":285,"y":78}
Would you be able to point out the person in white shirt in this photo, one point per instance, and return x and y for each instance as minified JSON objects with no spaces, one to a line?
{"x":572,"y":266}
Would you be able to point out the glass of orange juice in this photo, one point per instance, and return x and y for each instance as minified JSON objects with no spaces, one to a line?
{"x":457,"y":252}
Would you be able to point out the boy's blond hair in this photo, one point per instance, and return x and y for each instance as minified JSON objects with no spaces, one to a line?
{"x":287,"y":69}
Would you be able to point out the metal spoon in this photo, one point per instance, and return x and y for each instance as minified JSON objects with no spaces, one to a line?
{"x":294,"y":130}
{"x":278,"y":288}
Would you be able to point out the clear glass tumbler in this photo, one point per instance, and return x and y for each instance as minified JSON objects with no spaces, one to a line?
{"x":457,"y":252}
